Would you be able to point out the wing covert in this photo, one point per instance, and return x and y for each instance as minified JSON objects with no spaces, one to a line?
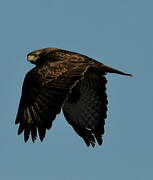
{"x":44,"y":91}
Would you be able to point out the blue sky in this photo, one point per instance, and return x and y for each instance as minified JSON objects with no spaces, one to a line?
{"x":118,"y":33}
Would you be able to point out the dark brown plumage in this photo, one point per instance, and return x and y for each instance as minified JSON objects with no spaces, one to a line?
{"x":68,"y":80}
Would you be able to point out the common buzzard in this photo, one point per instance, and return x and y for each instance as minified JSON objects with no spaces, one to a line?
{"x":68,"y":80}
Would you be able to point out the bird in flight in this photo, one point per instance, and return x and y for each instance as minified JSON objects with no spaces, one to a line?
{"x":69,"y":81}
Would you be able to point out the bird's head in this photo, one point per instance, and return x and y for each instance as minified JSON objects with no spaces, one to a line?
{"x":38,"y":56}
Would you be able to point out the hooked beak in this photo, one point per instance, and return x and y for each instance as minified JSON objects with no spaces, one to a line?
{"x":32,"y":58}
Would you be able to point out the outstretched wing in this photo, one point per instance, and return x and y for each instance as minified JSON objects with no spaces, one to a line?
{"x":86,"y":107}
{"x":44,"y":91}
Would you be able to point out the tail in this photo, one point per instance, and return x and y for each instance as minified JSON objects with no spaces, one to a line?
{"x":109,"y":69}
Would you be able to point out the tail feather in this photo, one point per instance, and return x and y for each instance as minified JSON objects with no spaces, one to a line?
{"x":112,"y":70}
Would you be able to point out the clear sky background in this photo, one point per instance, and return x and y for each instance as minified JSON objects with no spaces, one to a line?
{"x":116,"y":32}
